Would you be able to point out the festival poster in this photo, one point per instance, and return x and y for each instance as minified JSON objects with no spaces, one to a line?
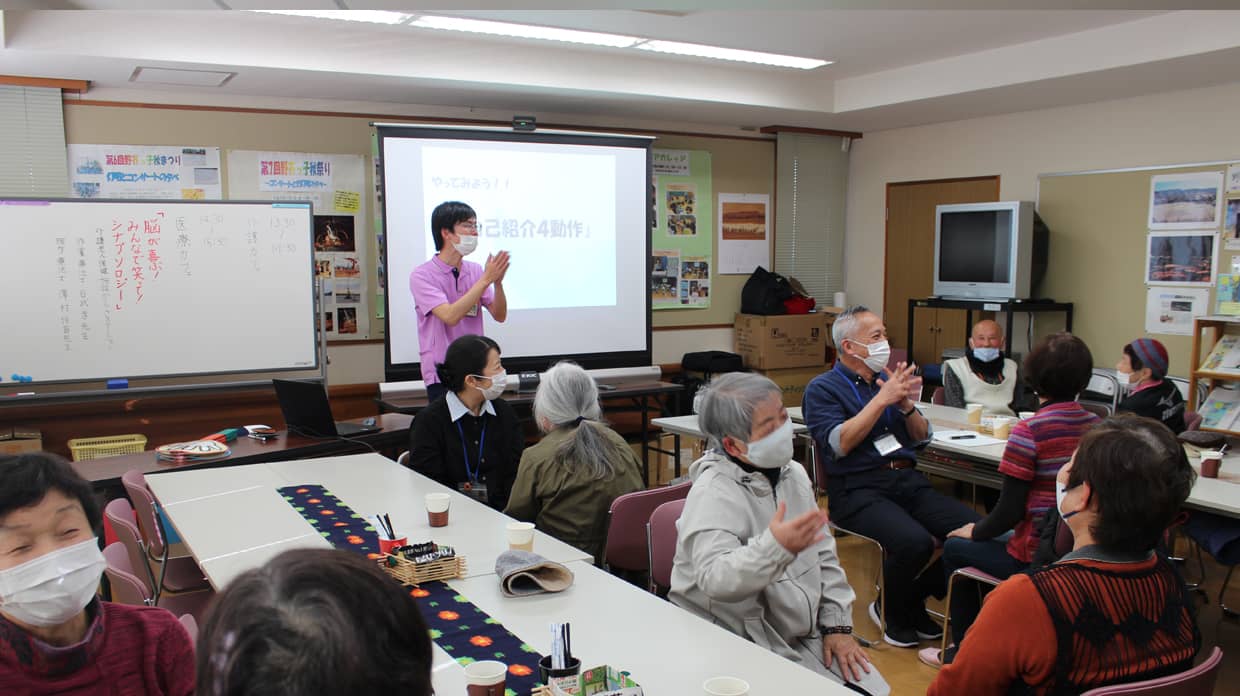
{"x":144,"y":171}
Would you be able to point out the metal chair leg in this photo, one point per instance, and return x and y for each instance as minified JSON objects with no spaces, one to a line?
{"x":1227,"y":611}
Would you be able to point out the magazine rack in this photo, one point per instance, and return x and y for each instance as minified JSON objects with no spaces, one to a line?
{"x":1211,"y":370}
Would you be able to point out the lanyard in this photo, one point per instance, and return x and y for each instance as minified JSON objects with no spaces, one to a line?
{"x":473,"y":475}
{"x":886,"y":419}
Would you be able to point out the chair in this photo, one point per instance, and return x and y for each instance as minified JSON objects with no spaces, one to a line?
{"x":120,"y":514}
{"x":1099,"y":409}
{"x":625,"y":548}
{"x":661,"y":537}
{"x":191,"y":627}
{"x":403,"y":459}
{"x":179,"y":573}
{"x":129,"y":588}
{"x":878,"y":579}
{"x":938,"y":396}
{"x":1192,"y":420}
{"x":969,"y":573}
{"x":1103,"y":388}
{"x":1203,"y":389}
{"x":898,"y":355}
{"x":1198,"y":681}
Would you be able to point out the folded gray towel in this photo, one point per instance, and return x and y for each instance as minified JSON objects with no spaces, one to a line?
{"x":524,"y":573}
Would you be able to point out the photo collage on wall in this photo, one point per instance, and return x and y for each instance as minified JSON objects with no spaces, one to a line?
{"x":680,"y":270}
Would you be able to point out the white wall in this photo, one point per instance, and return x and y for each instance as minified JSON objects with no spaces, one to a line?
{"x":1167,"y":128}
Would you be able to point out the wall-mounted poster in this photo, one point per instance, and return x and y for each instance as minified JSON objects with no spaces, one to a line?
{"x":744,"y":222}
{"x":1171,"y":310}
{"x":1186,"y":201}
{"x":1181,"y":258}
{"x":144,"y":171}
{"x":683,"y":233}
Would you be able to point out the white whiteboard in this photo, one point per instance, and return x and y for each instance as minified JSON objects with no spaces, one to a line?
{"x":123,"y":289}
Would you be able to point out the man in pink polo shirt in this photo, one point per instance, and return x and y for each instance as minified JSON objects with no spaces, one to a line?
{"x":448,"y":291}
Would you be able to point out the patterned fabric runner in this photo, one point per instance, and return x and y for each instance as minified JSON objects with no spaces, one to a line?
{"x":461,"y":629}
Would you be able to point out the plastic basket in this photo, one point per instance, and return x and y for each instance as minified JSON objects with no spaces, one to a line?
{"x":110,"y":446}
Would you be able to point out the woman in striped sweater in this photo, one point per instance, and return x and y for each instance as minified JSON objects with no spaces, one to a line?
{"x":1110,"y":612}
{"x":1003,"y":542}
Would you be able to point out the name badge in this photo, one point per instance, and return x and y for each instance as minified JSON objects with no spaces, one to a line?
{"x":473,"y":311}
{"x":887,"y":444}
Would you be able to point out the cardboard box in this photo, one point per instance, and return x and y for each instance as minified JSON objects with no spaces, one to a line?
{"x":792,"y":381}
{"x":782,"y":341}
{"x":663,"y":466}
{"x":20,"y":440}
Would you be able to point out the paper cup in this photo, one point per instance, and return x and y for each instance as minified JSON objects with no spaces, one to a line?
{"x":725,"y":686}
{"x":521,"y":536}
{"x":1211,"y":460}
{"x":1003,"y":427}
{"x":437,"y":505}
{"x":390,"y":545}
{"x":485,"y":678}
{"x":974,"y":413}
{"x":1026,"y":415}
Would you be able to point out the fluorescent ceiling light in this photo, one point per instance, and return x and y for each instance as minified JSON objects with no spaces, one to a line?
{"x":524,"y":31}
{"x":372,"y":16}
{"x":718,"y":53}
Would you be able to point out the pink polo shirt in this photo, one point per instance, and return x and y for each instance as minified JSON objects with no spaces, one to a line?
{"x":433,"y":284}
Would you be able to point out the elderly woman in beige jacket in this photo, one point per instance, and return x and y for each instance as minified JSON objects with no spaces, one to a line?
{"x":753,"y":553}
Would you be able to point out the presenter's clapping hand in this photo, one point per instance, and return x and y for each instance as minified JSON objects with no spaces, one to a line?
{"x":496,"y":268}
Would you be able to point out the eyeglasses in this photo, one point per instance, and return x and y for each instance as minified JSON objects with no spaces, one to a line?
{"x":468,"y":225}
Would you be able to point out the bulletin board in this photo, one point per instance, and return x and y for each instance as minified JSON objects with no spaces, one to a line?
{"x":1100,"y":250}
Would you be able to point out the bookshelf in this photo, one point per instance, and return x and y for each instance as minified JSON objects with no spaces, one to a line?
{"x":1215,"y":329}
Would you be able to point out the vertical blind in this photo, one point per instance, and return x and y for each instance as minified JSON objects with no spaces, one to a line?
{"x":812,"y":183}
{"x":32,"y":138}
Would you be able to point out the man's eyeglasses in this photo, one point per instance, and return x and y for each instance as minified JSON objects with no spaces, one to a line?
{"x":468,"y":225}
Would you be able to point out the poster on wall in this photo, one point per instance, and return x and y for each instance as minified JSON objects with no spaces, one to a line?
{"x":1233,"y":178}
{"x":683,"y":236}
{"x":1227,"y":294}
{"x":1181,"y":258}
{"x":1231,"y":224}
{"x":744,"y":221}
{"x":334,"y":185}
{"x":144,"y":171}
{"x":1186,"y":201}
{"x":1170,"y":311}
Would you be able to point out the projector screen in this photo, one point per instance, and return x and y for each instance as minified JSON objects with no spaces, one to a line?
{"x":571,"y":209}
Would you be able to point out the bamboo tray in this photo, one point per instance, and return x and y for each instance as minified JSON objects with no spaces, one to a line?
{"x":412,"y":573}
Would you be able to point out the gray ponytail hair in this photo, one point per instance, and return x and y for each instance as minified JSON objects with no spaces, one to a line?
{"x":567,"y":397}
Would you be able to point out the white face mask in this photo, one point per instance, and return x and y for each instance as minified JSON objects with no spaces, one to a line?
{"x":466,"y":246}
{"x":774,"y":450}
{"x":986,"y":354}
{"x":1125,"y":379}
{"x":54,"y":587}
{"x":1060,"y":493}
{"x":498,"y":382}
{"x":880,"y":353}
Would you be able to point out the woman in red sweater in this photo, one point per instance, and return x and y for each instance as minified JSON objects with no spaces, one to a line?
{"x":56,"y":636}
{"x":1111,"y":611}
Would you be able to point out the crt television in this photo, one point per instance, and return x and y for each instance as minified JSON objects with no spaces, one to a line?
{"x":993,"y":251}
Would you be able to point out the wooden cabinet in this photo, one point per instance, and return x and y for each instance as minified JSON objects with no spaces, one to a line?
{"x":1215,"y":328}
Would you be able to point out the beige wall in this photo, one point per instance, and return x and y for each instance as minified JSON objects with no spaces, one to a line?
{"x":740,"y":166}
{"x":1169,"y":128}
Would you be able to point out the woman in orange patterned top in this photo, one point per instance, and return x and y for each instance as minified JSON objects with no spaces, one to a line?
{"x":1111,"y":611}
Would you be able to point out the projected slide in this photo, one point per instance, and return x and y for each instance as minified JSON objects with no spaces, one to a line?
{"x":571,"y":212}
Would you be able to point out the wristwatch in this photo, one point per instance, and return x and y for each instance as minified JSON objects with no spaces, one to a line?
{"x":832,"y":630}
{"x":909,"y":412}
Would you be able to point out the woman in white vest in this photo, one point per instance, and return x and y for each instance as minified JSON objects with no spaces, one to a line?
{"x":983,"y":376}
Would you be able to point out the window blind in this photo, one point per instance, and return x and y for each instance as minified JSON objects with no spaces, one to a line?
{"x":32,"y":142}
{"x":812,"y":183}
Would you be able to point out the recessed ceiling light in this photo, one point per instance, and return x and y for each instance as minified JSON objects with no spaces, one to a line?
{"x":177,"y":76}
{"x":524,"y":31}
{"x":372,"y":16}
{"x":719,"y":53}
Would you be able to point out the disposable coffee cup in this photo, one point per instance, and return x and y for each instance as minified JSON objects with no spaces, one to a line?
{"x":1211,"y":460}
{"x":1026,"y":415}
{"x":974,"y":413}
{"x":725,"y":686}
{"x":521,"y":536}
{"x":565,"y":679}
{"x":1003,"y":427}
{"x":485,"y":678}
{"x":437,"y":505}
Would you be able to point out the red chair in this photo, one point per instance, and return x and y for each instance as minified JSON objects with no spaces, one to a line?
{"x":1198,"y":681}
{"x":626,"y":548}
{"x":1192,"y":420}
{"x":120,"y":514}
{"x":128,"y":588}
{"x":191,"y":626}
{"x":661,"y":537}
{"x":179,"y":573}
{"x":938,"y":397}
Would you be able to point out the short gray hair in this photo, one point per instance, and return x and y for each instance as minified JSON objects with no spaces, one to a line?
{"x":728,"y":403}
{"x":846,"y":323}
{"x":567,"y":398}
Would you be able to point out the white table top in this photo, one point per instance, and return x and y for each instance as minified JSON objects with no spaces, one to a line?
{"x":617,"y":623}
{"x":232,"y":518}
{"x":687,"y":426}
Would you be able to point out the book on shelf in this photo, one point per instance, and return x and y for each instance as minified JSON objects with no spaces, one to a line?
{"x":1221,"y":410}
{"x":1224,"y":357}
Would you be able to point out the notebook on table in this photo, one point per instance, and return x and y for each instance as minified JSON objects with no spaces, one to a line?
{"x":307,"y":412}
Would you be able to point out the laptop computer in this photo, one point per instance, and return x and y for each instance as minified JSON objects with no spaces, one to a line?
{"x":307,"y":412}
